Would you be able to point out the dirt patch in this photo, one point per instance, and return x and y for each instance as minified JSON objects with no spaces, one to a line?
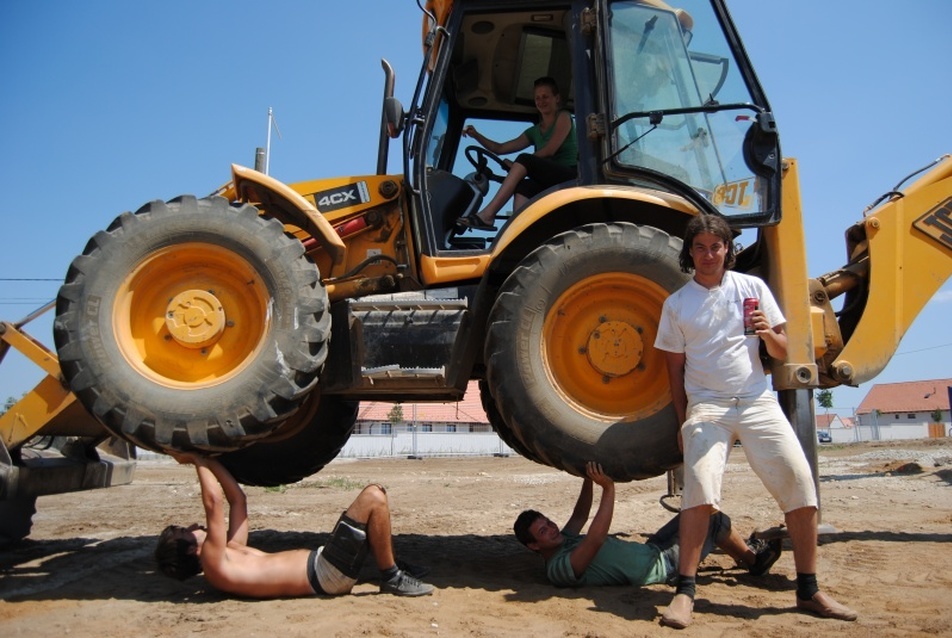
{"x":87,"y":568}
{"x":902,"y":467}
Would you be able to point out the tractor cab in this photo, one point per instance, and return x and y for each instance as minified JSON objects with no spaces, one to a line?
{"x":662,"y":97}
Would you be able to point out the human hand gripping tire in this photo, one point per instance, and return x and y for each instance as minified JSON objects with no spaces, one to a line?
{"x":594,"y":471}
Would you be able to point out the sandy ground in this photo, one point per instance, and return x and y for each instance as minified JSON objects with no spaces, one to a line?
{"x":87,"y":568}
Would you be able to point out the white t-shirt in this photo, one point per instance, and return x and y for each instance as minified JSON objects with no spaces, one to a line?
{"x":707,"y":325}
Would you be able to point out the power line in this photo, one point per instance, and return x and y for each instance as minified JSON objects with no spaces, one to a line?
{"x":944,"y":345}
{"x":28,"y":302}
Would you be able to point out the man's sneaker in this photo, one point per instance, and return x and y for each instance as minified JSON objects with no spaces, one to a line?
{"x":766,"y":554}
{"x":417,"y":571}
{"x":404,"y":584}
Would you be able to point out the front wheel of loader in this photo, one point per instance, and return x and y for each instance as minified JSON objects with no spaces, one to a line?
{"x":304,"y":444}
{"x":570,"y":351}
{"x":192,"y":325}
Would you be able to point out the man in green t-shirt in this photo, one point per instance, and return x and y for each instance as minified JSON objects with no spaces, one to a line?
{"x":574,"y":560}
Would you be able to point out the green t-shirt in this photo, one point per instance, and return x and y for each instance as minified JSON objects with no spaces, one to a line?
{"x":617,"y":563}
{"x":567,"y":155}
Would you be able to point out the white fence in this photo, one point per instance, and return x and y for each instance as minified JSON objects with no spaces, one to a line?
{"x":891,"y":432}
{"x":420,"y":444}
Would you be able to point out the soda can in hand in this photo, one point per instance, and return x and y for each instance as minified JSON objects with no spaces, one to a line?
{"x":750,"y":305}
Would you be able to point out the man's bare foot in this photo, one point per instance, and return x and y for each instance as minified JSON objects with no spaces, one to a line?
{"x":678,"y":613}
{"x":823,"y":605}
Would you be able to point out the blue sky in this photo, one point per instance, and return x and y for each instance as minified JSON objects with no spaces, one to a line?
{"x":109,"y":104}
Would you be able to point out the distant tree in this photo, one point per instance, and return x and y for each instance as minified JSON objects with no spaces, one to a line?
{"x":7,"y":405}
{"x":825,"y":399}
{"x":937,"y":415}
{"x":395,"y":416}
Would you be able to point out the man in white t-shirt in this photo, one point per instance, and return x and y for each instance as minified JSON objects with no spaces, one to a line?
{"x":720,"y":393}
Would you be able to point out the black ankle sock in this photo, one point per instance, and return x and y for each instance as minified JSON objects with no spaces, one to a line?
{"x":806,"y":586}
{"x":390,"y":572}
{"x":687,"y":585}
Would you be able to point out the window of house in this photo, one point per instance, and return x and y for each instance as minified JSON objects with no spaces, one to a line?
{"x":910,"y":416}
{"x":451,"y":427}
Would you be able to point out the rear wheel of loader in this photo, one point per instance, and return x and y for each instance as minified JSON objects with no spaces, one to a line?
{"x":303,"y":445}
{"x":192,"y":325}
{"x":570,"y":353}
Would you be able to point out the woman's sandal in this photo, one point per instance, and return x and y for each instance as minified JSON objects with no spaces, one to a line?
{"x":474,"y":221}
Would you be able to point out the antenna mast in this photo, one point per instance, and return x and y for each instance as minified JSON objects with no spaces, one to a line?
{"x":272,"y":123}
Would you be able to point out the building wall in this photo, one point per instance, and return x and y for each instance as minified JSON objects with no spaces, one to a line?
{"x":894,"y":426}
{"x":425,"y":444}
{"x":843,"y":434}
{"x":385,"y":427}
{"x":899,"y":418}
{"x":891,"y":431}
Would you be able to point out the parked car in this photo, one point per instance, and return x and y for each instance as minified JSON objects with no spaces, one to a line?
{"x":823,"y":437}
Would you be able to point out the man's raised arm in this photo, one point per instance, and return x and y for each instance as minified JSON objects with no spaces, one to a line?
{"x":582,"y":556}
{"x":215,"y":480}
{"x":583,"y":506}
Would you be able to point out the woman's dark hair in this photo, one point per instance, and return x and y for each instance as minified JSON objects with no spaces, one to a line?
{"x":549,"y":82}
{"x":175,"y":553}
{"x":714,"y":225}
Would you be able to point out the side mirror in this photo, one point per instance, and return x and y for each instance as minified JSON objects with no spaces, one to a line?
{"x":395,"y":116}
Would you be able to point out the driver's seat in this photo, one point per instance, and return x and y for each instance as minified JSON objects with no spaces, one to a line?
{"x":451,"y":198}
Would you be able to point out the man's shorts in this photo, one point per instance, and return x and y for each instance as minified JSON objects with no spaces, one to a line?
{"x":325,"y":578}
{"x":769,"y":442}
{"x":333,"y":568}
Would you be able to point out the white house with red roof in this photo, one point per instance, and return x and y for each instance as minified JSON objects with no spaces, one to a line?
{"x":375,"y":417}
{"x":840,"y":428}
{"x":424,"y":429}
{"x":907,"y":410}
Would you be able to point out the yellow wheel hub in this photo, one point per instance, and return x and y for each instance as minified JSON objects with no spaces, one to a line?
{"x":615,"y":348}
{"x":195,"y":318}
{"x":191,"y":315}
{"x":598,"y":349}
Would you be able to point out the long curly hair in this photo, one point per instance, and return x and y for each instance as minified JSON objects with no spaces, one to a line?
{"x":715,"y":225}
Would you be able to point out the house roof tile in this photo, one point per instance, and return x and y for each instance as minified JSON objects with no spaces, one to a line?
{"x":908,"y":396}
{"x":469,"y":410}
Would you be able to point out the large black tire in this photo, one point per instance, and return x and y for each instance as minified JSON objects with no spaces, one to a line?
{"x":570,"y":351}
{"x":192,"y":325}
{"x":328,"y":422}
{"x":499,"y":425}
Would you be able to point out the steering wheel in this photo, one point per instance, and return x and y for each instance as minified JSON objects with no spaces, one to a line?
{"x":477,"y":156}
